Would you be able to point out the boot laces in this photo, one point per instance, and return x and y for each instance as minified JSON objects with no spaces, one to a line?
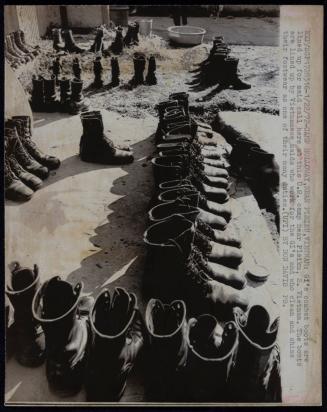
{"x":9,"y":174}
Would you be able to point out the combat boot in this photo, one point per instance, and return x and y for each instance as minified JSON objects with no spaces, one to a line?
{"x":139,"y":67}
{"x":29,"y":338}
{"x":30,"y":180}
{"x":115,"y":72}
{"x":21,"y":46}
{"x":129,"y":35}
{"x":167,"y":350}
{"x":98,"y":46}
{"x":211,"y":353}
{"x":191,"y":195}
{"x":65,"y":94}
{"x":58,"y":43}
{"x":77,"y":101}
{"x":97,"y":70}
{"x":118,"y":44}
{"x":24,"y":129}
{"x":256,"y":373}
{"x":37,"y":102}
{"x":22,"y":155}
{"x":33,"y":49}
{"x":231,"y":78}
{"x":50,"y":95}
{"x":96,"y":147}
{"x":17,"y":51}
{"x":262,"y":167}
{"x":63,"y":314}
{"x":12,"y":51}
{"x":70,"y":44}
{"x":135,"y":33}
{"x":77,"y":70}
{"x":15,"y":189}
{"x":184,"y":206}
{"x":118,"y":335}
{"x":151,"y":78}
{"x":13,"y":61}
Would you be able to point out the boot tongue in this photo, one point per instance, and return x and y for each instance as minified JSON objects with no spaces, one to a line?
{"x":22,"y":278}
{"x":58,"y":298}
{"x":258,"y":322}
{"x":206,"y":336}
{"x":120,"y":310}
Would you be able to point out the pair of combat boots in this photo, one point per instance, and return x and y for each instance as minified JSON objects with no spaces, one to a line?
{"x":139,"y":61}
{"x":83,"y":341}
{"x":130,"y":39}
{"x":63,"y":40}
{"x":96,"y":146}
{"x":45,"y":98}
{"x":98,"y":70}
{"x":219,"y":68}
{"x":17,"y":51}
{"x":25,"y":165}
{"x":203,"y":360}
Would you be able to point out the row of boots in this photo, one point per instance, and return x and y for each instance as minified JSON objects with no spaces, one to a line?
{"x":219,"y":68}
{"x":120,"y":41}
{"x":191,"y":243}
{"x":17,"y":51}
{"x":139,"y":62}
{"x":26,"y":166}
{"x":63,"y":41}
{"x":96,"y":343}
{"x":45,"y":96}
{"x":255,"y":165}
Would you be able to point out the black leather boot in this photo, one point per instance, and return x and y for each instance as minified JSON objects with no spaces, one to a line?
{"x":29,"y":338}
{"x":167,"y":350}
{"x":151,"y":78}
{"x":98,"y":46}
{"x":118,"y":335}
{"x":70,"y":45}
{"x":139,"y":67}
{"x":77,"y":68}
{"x":118,"y":44}
{"x":97,"y":69}
{"x":63,"y":314}
{"x":211,"y":353}
{"x":115,"y":72}
{"x":50,"y":95}
{"x":231,"y":78}
{"x":96,"y":147}
{"x":56,"y":69}
{"x":129,"y":35}
{"x":65,"y":94}
{"x":37,"y":102}
{"x":77,"y":101}
{"x":58,"y":43}
{"x":256,"y":373}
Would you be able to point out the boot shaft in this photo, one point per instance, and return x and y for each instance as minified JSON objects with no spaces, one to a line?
{"x":65,"y":88}
{"x":77,"y":89}
{"x":212,"y":350}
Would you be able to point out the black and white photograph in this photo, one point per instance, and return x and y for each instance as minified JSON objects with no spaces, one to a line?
{"x":144,"y":148}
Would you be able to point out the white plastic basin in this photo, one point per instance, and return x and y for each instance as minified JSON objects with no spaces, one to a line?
{"x":186,"y":35}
